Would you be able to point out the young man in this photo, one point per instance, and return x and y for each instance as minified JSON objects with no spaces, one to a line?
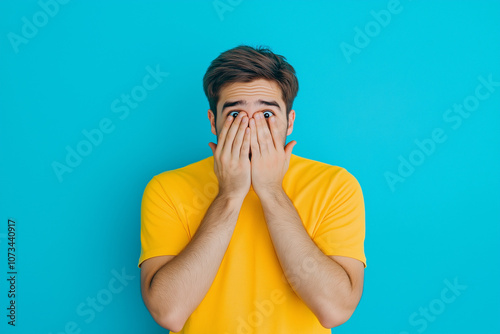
{"x":253,"y":239}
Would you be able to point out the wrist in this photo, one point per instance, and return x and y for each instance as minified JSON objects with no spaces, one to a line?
{"x":231,"y":197}
{"x":270,"y":193}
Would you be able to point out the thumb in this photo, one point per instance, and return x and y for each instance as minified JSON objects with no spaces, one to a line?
{"x":213,"y":146}
{"x":288,"y":150}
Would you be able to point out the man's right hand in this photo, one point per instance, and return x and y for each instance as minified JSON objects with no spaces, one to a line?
{"x":174,"y":286}
{"x":231,"y":157}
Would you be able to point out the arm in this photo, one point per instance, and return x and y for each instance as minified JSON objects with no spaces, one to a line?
{"x":178,"y":287}
{"x":331,"y":286}
{"x":173,"y":290}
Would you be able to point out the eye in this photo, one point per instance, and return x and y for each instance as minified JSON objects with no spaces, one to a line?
{"x":268,"y":114}
{"x":231,"y":113}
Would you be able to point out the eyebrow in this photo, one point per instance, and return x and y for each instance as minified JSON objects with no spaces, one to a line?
{"x":229,"y":104}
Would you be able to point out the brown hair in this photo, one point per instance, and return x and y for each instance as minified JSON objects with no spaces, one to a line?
{"x":245,"y":64}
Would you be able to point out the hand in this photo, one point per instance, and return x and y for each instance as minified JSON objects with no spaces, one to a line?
{"x":231,"y":162}
{"x":269,"y":159}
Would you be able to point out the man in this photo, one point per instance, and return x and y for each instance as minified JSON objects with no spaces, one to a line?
{"x":253,"y":239}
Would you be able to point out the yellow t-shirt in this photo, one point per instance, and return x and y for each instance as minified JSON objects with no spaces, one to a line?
{"x":250,"y":293}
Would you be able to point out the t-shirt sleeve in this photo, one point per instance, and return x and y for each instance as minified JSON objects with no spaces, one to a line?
{"x":162,"y":230}
{"x":342,"y":230}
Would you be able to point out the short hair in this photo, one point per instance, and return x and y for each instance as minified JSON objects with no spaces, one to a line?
{"x":245,"y":64}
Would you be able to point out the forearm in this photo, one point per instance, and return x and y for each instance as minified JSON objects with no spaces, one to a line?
{"x":321,"y":283}
{"x":182,"y":283}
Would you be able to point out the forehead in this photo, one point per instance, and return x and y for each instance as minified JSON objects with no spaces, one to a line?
{"x":251,"y":91}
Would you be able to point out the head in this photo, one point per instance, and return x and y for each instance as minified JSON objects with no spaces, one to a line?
{"x":251,"y":80}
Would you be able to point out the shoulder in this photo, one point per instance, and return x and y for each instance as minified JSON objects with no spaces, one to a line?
{"x":321,"y":180}
{"x":189,"y":173}
{"x":182,"y":178}
{"x":313,"y":169}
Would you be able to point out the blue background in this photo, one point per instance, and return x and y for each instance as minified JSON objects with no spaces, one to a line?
{"x":361,"y":112}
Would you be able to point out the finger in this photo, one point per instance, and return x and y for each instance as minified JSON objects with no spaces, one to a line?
{"x":254,"y":144}
{"x":288,"y":151}
{"x":239,"y":137}
{"x":245,"y":147}
{"x":213,"y":147}
{"x":263,"y":134}
{"x":223,"y":133}
{"x":228,"y":143}
{"x":275,"y":132}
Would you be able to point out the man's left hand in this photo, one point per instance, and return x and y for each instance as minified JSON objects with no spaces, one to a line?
{"x":270,"y":157}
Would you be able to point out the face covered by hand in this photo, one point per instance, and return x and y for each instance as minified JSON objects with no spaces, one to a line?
{"x":251,"y":97}
{"x":259,"y":107}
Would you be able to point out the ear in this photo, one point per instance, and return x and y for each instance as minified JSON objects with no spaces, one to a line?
{"x":211,"y":117}
{"x":291,"y":120}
